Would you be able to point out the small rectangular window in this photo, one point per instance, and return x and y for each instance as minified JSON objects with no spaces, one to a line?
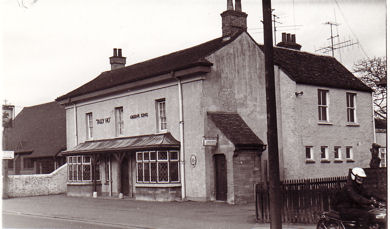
{"x":323,"y":105}
{"x":119,"y":121}
{"x":161,"y":115}
{"x":337,"y":153}
{"x":349,"y":153}
{"x":351,"y":107}
{"x":89,"y":124}
{"x":309,"y":153}
{"x":324,"y":153}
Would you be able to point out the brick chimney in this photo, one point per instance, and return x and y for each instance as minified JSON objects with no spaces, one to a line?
{"x":288,"y":41}
{"x":117,"y":60}
{"x":233,"y":20}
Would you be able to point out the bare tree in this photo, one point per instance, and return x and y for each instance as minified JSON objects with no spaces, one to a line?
{"x":373,"y":72}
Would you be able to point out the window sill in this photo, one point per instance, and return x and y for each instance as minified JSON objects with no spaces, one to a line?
{"x":338,"y":161}
{"x":325,"y":123}
{"x":155,"y":185}
{"x":310,"y":161}
{"x":80,"y":183}
{"x":350,"y":160}
{"x":352,"y":124}
{"x":325,"y":161}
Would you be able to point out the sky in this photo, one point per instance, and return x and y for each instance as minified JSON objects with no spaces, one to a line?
{"x":50,"y":47}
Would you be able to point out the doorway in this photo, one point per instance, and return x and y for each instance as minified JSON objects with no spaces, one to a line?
{"x":125,"y":176}
{"x":220,"y":177}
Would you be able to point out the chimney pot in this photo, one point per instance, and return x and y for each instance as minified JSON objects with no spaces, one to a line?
{"x":117,"y":60}
{"x":230,"y":5}
{"x":284,"y":37}
{"x":288,"y":37}
{"x":293,"y":38}
{"x":238,"y":5}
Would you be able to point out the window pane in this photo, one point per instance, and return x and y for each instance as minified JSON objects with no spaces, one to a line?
{"x":70,"y":172}
{"x":86,"y":159}
{"x":140,"y":172}
{"x":153,"y":172}
{"x":139,"y":156}
{"x":163,"y":172}
{"x":173,"y":155}
{"x":79,"y":172}
{"x":146,"y":156}
{"x":174,"y":170}
{"x":153,"y":156}
{"x":86,"y":172}
{"x":146,"y":172}
{"x":308,"y":153}
{"x":162,"y":155}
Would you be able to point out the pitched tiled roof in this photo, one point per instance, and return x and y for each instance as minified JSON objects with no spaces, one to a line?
{"x":236,"y":130}
{"x":40,"y":129}
{"x":190,"y":57}
{"x":307,"y":68}
{"x":152,"y":141}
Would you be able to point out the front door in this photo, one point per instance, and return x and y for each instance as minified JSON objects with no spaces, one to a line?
{"x":125,"y":177}
{"x":220,"y":177}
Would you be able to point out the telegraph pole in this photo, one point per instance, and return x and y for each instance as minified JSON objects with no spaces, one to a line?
{"x":272,"y":132}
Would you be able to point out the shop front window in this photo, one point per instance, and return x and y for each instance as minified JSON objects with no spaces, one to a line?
{"x":158,"y":167}
{"x":79,"y":168}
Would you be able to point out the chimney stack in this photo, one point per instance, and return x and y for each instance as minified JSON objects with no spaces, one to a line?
{"x":289,"y":41}
{"x":233,"y":19}
{"x":117,"y":60}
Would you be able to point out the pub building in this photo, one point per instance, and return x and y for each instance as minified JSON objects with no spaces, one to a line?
{"x":192,"y":125}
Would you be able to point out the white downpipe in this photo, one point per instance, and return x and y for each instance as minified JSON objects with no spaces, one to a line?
{"x":181,"y":126}
{"x":75,"y":124}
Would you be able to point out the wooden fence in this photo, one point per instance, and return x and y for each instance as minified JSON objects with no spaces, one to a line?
{"x":303,"y":200}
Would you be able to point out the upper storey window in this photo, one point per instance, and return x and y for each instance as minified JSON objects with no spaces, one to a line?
{"x":161,"y":115}
{"x":323,"y":105}
{"x":119,"y":121}
{"x":351,"y":107}
{"x":89,"y":125}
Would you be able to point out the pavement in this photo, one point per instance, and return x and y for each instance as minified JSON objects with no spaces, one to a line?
{"x":130,"y":213}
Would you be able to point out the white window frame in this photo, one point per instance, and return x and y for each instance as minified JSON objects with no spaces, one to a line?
{"x":119,"y":124}
{"x":323,"y":105}
{"x":351,"y":107}
{"x":76,"y":168}
{"x":144,"y":160}
{"x":162,"y":125}
{"x":382,"y":156}
{"x":324,"y":151}
{"x":338,"y":157}
{"x":309,"y":149}
{"x":89,"y":125}
{"x":349,"y":150}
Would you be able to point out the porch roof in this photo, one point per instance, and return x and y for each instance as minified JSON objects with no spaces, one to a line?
{"x":143,"y":142}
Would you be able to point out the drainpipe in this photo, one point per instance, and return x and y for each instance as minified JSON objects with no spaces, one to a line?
{"x":75,"y":124}
{"x":181,"y":128}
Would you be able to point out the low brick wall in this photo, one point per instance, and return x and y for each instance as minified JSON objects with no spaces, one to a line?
{"x":38,"y":184}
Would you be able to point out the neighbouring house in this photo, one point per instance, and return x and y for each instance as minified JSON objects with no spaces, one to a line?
{"x":37,"y":135}
{"x":381,"y":139}
{"x":193,"y":124}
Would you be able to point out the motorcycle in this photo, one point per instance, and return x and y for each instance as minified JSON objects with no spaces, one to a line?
{"x":333,"y":219}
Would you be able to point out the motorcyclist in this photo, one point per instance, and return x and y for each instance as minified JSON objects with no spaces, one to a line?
{"x":353,"y":201}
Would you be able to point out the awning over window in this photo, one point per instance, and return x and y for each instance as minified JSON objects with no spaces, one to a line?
{"x":144,"y":142}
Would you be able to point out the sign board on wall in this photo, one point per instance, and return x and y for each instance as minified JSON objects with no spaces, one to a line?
{"x":7,"y":155}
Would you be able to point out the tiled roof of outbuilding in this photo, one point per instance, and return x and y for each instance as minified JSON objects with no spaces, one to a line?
{"x":307,"y":68}
{"x":235,"y":129}
{"x":40,"y":129}
{"x":194,"y":56}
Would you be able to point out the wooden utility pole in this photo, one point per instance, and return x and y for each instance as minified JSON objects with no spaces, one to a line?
{"x":272,"y":131}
